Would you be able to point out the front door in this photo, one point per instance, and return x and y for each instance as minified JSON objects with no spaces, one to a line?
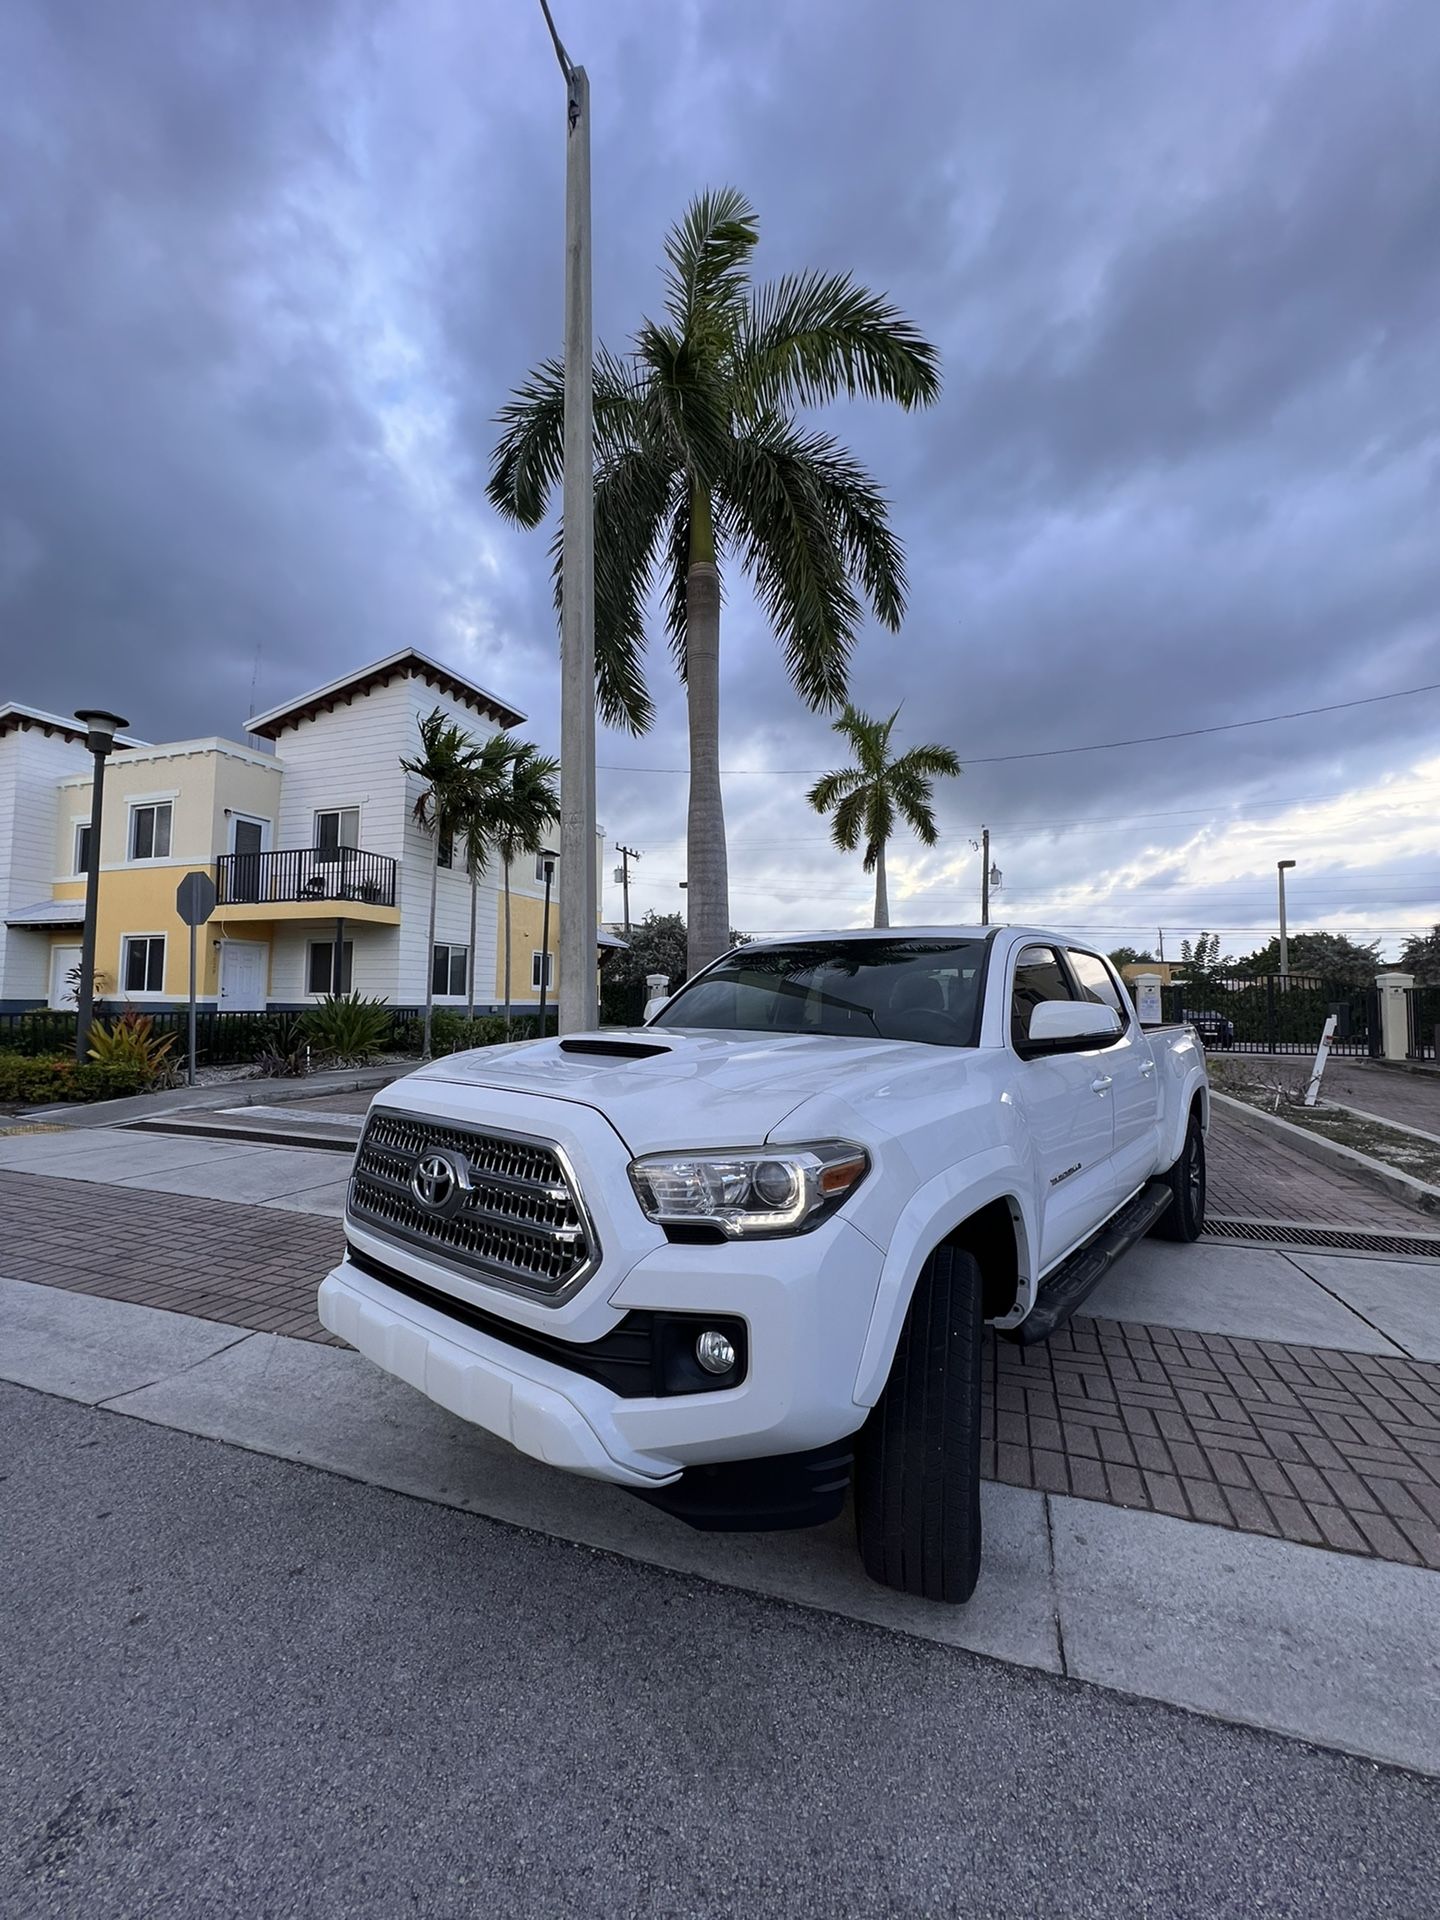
{"x":63,"y":962}
{"x":1068,"y":1114}
{"x":244,"y":976}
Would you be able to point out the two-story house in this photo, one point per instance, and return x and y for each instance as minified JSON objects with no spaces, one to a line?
{"x":322,"y":871}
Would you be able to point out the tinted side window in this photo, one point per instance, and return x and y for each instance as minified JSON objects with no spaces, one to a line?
{"x":1039,"y":975}
{"x":1097,"y":982}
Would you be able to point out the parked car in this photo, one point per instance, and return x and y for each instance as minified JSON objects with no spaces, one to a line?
{"x":1214,"y":1029}
{"x":744,"y":1254}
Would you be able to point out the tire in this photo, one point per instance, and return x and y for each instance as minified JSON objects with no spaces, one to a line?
{"x":1184,"y":1218}
{"x":917,"y":1464}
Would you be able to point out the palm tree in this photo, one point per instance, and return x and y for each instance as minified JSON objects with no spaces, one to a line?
{"x":444,"y":766}
{"x":866,"y":798}
{"x":481,"y":800}
{"x":525,"y":808}
{"x":699,"y":461}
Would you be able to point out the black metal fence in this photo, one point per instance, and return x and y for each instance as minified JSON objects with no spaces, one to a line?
{"x":1268,"y":1013}
{"x":321,"y":874}
{"x":1422,"y":1021}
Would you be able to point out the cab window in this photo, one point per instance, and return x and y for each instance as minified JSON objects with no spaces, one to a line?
{"x":1097,"y":982}
{"x":1039,"y":975}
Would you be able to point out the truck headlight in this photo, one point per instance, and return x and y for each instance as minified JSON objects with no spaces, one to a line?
{"x":747,"y":1193}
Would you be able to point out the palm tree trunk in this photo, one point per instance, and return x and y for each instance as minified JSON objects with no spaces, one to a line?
{"x":708,"y":891}
{"x":474,"y":896}
{"x":507,"y":949}
{"x":882,"y":898}
{"x":430,"y":950}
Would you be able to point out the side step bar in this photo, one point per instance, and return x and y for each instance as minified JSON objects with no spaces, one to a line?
{"x":1069,"y":1286}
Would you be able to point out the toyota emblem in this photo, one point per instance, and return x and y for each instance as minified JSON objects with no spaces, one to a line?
{"x":439,"y":1181}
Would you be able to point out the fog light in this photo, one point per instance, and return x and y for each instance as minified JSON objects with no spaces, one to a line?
{"x":714,"y":1352}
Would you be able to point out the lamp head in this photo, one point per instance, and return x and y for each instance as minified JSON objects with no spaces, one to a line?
{"x":1283,"y":864}
{"x":100,"y":727}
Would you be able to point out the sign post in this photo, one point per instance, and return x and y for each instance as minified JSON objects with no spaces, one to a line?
{"x":194,"y":902}
{"x":1312,"y":1092}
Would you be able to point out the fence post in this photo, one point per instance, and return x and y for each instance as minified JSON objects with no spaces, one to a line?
{"x":1390,"y":990}
{"x":1271,"y":1032}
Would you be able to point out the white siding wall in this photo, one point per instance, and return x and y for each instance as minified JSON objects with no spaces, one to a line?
{"x":374,"y":960}
{"x":31,"y":763}
{"x":348,"y":758}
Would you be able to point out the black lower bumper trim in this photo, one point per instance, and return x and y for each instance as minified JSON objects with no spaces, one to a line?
{"x":760,"y":1496}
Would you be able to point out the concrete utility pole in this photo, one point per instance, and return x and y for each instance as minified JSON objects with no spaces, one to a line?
{"x":579,"y":1007}
{"x":1280,"y":868}
{"x":627,"y":854}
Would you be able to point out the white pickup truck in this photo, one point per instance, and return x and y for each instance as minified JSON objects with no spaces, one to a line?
{"x":742,"y":1254}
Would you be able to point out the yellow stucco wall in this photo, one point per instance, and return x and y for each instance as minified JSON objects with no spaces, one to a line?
{"x":204,"y":784}
{"x":526,"y":920}
{"x":141,"y":900}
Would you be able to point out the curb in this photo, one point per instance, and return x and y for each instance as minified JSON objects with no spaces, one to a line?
{"x":257,"y":1093}
{"x":1330,"y":1153}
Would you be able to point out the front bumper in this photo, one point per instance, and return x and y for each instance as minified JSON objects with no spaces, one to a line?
{"x":806,"y":1303}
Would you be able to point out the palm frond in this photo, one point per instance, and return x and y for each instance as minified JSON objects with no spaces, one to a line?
{"x":708,"y":251}
{"x":831,"y":788}
{"x":810,"y":336}
{"x":849,"y":821}
{"x":688,"y":393}
{"x":528,"y":463}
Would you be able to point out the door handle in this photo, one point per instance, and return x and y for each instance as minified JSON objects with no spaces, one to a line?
{"x":1147,"y":1067}
{"x":1100,"y":1083}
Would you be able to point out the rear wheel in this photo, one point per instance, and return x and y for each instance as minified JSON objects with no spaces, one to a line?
{"x":917,"y":1465}
{"x":1184,"y":1218}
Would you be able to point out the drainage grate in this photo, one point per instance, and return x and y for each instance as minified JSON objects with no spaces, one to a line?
{"x":1335,"y":1239}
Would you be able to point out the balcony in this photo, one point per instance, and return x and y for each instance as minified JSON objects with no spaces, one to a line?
{"x":304,"y":882}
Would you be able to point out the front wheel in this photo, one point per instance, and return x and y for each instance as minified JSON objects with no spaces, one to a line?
{"x":1184,"y":1218}
{"x":917,"y":1465}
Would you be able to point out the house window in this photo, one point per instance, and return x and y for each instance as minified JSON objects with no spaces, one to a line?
{"x":143,"y":963}
{"x":540,"y":868}
{"x":445,"y":851}
{"x":82,"y":850}
{"x":320,"y":973}
{"x":450,"y":970}
{"x":535,"y":960}
{"x":335,"y":828}
{"x":150,"y":832}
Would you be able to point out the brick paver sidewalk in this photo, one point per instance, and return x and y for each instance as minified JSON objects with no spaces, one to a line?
{"x":1253,"y":1179}
{"x":1326,"y":1448}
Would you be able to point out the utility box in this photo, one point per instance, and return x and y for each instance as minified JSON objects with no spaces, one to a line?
{"x":657,"y":992}
{"x":1147,"y":1000}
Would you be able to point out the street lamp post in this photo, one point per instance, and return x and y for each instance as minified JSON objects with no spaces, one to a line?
{"x":579,"y":1007}
{"x":1280,"y":870}
{"x":100,"y":731}
{"x":548,"y":858}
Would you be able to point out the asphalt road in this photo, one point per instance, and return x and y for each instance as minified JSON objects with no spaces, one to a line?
{"x":234,"y":1686}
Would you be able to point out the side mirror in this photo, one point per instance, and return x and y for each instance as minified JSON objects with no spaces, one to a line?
{"x":1061,"y":1026}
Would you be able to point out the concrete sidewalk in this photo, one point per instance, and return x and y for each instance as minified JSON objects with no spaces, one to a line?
{"x":1339,"y":1651}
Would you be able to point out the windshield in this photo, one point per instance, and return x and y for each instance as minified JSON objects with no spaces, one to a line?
{"x":902,"y":989}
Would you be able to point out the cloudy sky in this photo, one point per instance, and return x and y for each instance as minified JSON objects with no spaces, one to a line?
{"x":269,"y":270}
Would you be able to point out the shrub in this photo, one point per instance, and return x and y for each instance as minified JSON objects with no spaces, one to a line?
{"x":132,"y":1043}
{"x":347,"y":1029}
{"x":31,"y":1080}
{"x":452,"y":1033}
{"x":42,"y":1031}
{"x":283,"y":1052}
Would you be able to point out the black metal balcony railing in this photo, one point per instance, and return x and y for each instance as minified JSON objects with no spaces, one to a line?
{"x":321,"y":874}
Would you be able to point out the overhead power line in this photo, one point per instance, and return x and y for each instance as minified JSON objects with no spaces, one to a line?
{"x":1094,"y":746}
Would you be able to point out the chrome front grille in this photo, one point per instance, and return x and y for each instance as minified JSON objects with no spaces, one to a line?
{"x":520,"y":1223}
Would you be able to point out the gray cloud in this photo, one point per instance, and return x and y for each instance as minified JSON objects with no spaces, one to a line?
{"x":271,"y":270}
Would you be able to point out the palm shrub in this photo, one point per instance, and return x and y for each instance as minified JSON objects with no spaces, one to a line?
{"x":283,"y":1052}
{"x":445,"y":767}
{"x":347,"y":1029}
{"x":880,"y":789}
{"x":525,"y":809}
{"x":701,"y":462}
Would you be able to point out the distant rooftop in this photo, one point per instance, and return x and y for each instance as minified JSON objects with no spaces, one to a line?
{"x":409,"y":662}
{"x":15,"y":715}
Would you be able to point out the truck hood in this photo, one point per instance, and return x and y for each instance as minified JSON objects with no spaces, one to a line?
{"x":675,"y":1088}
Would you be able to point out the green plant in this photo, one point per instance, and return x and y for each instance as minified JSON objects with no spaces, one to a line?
{"x":35,"y":1080}
{"x":132,"y":1042}
{"x":453,"y":1033}
{"x":283,"y":1052}
{"x":347,"y":1029}
{"x":704,"y":459}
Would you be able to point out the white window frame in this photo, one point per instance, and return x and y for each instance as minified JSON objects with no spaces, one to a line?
{"x":339,"y":812}
{"x":450,"y":948}
{"x":540,"y":870}
{"x":239,"y":817}
{"x":347,"y":971}
{"x":79,"y":823}
{"x":535,"y":971}
{"x":150,"y":803}
{"x":128,"y":992}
